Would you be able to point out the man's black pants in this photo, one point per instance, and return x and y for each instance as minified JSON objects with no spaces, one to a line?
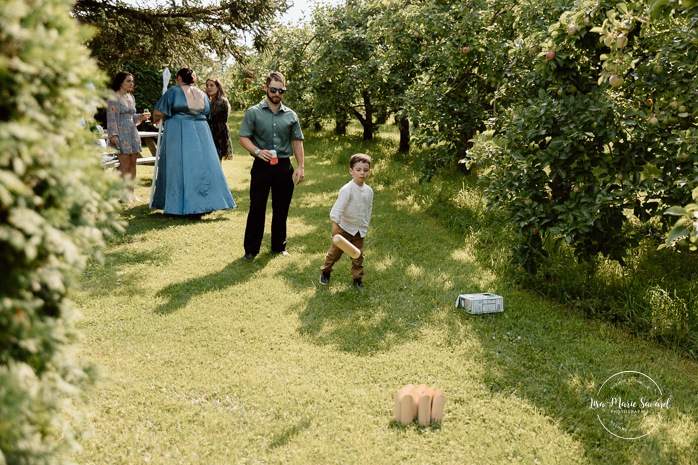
{"x":279,"y":180}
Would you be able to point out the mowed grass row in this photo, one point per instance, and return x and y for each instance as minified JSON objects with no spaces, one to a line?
{"x":207,"y":359}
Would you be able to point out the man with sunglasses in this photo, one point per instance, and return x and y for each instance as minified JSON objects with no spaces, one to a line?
{"x":271,"y":133}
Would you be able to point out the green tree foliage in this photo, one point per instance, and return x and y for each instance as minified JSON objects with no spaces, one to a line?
{"x":174,"y":32}
{"x":449,"y":92}
{"x":54,"y":210}
{"x":291,"y":51}
{"x":598,"y":130}
{"x":350,"y":74}
{"x":297,"y":60}
{"x":244,"y":84}
{"x":684,"y":234}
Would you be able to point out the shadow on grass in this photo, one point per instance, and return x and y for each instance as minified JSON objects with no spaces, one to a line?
{"x":114,"y":275}
{"x":237,"y":271}
{"x":396,"y":425}
{"x":284,"y":437}
{"x":142,"y":220}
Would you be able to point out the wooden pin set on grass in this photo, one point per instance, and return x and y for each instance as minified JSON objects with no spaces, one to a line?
{"x":422,"y":402}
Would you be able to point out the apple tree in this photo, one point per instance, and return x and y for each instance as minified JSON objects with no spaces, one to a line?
{"x":459,"y":58}
{"x":349,"y":75}
{"x":597,"y":129}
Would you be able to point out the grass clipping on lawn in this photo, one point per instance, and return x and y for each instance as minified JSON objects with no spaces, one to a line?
{"x":207,"y":358}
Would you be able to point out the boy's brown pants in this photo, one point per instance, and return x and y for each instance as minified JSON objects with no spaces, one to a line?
{"x":335,"y":253}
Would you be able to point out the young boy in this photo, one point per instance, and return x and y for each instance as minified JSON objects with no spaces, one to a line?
{"x":350,"y":217}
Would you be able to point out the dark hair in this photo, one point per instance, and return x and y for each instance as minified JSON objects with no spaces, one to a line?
{"x":118,"y":80}
{"x":359,"y":158}
{"x":187,"y":75}
{"x":221,"y":92}
{"x":276,"y":76}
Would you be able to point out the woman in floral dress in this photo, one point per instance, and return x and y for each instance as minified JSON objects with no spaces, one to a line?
{"x":121,"y":126}
{"x":218,"y":121}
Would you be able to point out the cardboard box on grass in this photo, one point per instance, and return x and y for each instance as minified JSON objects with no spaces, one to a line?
{"x":480,"y":303}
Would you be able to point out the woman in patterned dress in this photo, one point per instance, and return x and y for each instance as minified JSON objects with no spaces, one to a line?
{"x":121,"y":126}
{"x":218,"y":121}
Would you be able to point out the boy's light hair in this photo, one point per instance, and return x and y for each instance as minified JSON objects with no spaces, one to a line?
{"x":359,"y":158}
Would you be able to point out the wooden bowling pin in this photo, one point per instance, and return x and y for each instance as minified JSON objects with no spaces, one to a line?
{"x":348,"y":248}
{"x":408,"y":406}
{"x":437,"y":405}
{"x":424,"y":406}
{"x":402,"y":392}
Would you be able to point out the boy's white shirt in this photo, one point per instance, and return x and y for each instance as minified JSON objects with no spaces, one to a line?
{"x":353,"y":208}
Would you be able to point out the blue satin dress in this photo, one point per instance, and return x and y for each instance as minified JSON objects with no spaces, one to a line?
{"x":190,"y":179}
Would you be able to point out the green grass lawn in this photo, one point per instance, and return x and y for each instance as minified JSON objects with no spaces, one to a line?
{"x":208,"y":359}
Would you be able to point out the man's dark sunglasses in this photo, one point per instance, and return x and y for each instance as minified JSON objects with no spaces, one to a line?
{"x":274,"y":90}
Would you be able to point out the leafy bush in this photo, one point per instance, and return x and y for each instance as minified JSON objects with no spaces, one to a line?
{"x":55,"y":206}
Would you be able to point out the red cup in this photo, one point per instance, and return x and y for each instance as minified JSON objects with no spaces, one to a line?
{"x":273,"y":160}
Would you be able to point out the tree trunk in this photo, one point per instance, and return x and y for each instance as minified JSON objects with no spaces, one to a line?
{"x":340,"y":127}
{"x":366,"y":121}
{"x":404,"y":127}
{"x":368,"y":126}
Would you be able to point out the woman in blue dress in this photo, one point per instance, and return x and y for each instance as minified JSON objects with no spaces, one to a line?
{"x":190,"y":181}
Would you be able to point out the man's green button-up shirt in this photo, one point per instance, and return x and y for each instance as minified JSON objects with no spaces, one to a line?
{"x":272,"y":131}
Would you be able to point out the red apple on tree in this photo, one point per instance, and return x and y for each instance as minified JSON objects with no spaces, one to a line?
{"x":550,"y":55}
